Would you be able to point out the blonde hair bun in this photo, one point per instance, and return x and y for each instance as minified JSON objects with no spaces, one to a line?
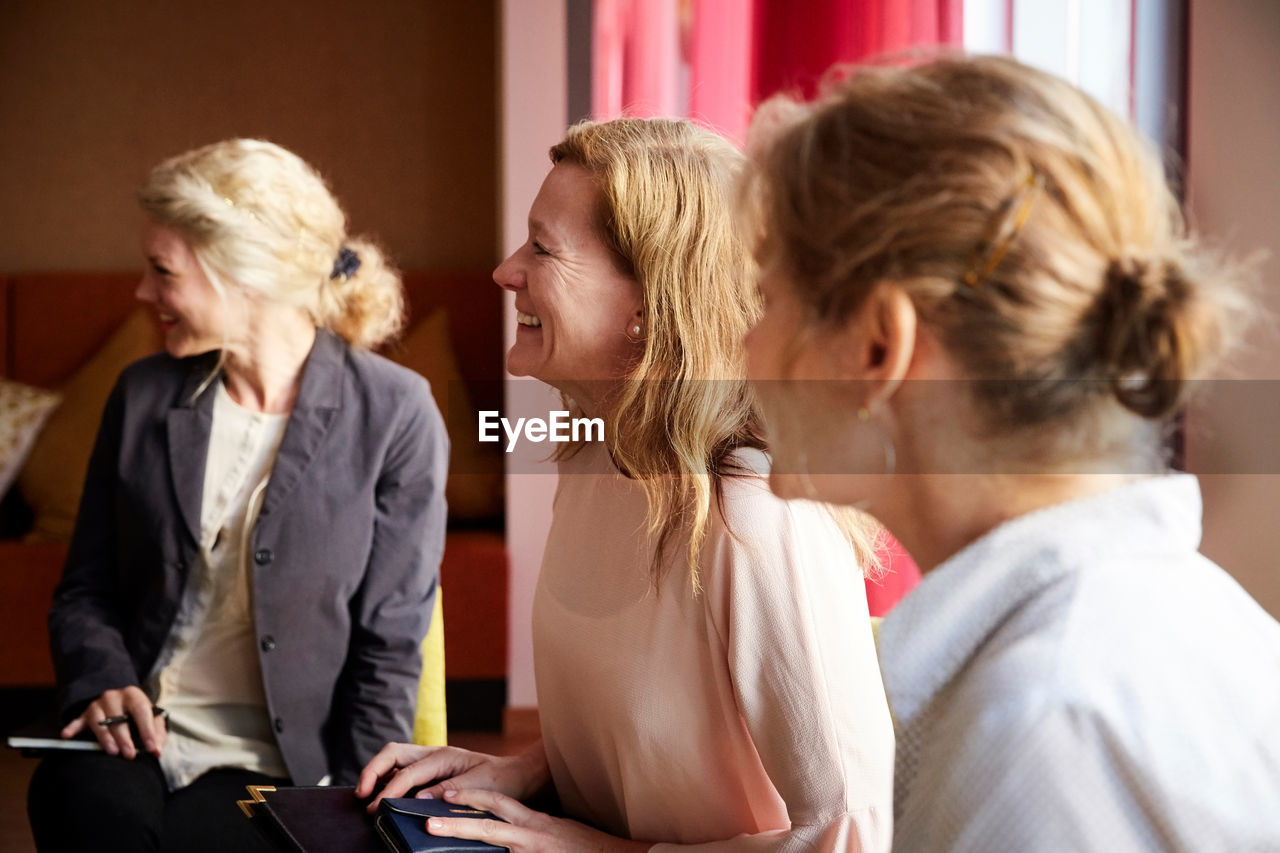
{"x":1033,"y":230}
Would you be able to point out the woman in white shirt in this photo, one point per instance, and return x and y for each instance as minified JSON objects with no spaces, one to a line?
{"x":982,"y":297}
{"x":699,"y":679}
{"x":259,"y":540}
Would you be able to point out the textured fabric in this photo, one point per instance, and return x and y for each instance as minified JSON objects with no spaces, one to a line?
{"x":207,"y":675}
{"x":23,"y":411}
{"x":346,"y":549}
{"x":1081,"y":678}
{"x":750,"y":715}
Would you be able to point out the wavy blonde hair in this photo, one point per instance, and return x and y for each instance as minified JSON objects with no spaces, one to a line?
{"x":258,"y":216}
{"x":1033,"y":230}
{"x":666,"y":211}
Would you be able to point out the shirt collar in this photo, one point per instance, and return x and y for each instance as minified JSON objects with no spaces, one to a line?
{"x":939,"y":626}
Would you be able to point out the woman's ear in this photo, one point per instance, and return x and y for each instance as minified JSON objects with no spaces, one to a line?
{"x":881,"y":337}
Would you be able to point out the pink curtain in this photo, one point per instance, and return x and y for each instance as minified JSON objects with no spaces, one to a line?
{"x":635,"y":58}
{"x":720,"y":61}
{"x":900,"y":575}
{"x":715,"y":59}
{"x":794,"y":48}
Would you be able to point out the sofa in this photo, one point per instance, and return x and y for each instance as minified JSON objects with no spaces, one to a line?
{"x":70,"y":333}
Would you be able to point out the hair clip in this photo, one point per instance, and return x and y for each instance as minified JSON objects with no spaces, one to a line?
{"x":993,"y":247}
{"x":346,"y":264}
{"x":231,"y":203}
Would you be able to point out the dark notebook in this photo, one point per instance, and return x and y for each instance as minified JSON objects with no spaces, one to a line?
{"x":312,"y":820}
{"x":402,"y":823}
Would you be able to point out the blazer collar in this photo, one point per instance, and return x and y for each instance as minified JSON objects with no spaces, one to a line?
{"x":190,"y":422}
{"x":319,"y":398}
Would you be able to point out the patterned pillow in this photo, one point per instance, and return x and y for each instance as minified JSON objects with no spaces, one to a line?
{"x":23,"y":411}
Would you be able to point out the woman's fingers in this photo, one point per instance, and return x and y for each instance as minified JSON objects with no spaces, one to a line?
{"x":508,"y":808}
{"x":98,"y":719}
{"x":513,"y":834}
{"x":466,"y":778}
{"x":72,"y":728}
{"x":138,"y":706}
{"x":403,"y":767}
{"x":442,"y":762}
{"x":525,"y":830}
{"x":388,"y":759}
{"x":108,"y":716}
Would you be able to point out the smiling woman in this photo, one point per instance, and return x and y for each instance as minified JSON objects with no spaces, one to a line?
{"x":699,"y":681}
{"x":258,"y":544}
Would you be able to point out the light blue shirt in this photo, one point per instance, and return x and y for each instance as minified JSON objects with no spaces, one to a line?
{"x":1081,"y":678}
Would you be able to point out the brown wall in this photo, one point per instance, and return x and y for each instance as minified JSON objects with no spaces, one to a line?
{"x":393,"y":100}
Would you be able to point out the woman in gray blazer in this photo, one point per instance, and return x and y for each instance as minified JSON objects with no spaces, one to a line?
{"x":258,"y":545}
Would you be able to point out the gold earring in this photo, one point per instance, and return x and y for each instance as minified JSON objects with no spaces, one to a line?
{"x":886,"y":440}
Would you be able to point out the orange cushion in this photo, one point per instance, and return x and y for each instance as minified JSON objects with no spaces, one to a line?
{"x":53,"y":478}
{"x":474,"y":488}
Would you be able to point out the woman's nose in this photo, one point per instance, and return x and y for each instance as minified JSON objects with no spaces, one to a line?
{"x":507,"y":274}
{"x":145,"y":291}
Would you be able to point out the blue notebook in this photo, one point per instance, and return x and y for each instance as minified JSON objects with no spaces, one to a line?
{"x":402,"y":823}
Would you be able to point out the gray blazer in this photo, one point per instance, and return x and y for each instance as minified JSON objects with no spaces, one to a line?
{"x":346,"y":550}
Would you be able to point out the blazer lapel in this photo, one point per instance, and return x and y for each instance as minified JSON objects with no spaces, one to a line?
{"x":189,"y":425}
{"x":319,"y":398}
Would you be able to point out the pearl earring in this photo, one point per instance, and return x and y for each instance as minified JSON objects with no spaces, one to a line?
{"x":635,"y":330}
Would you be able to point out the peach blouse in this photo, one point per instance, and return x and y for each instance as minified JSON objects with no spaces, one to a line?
{"x":749,"y":715}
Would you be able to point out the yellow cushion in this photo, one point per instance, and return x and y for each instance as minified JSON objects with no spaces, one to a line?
{"x":430,"y":723}
{"x":53,"y":478}
{"x":474,"y":487}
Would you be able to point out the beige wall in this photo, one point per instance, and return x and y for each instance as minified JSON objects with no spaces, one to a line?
{"x":393,"y":100}
{"x":1234,"y":199}
{"x":534,"y":114}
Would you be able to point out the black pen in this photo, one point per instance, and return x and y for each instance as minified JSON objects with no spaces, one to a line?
{"x":156,"y":711}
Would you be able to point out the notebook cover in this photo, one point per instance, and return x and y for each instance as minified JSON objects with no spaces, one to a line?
{"x":314,"y":820}
{"x":402,"y":823}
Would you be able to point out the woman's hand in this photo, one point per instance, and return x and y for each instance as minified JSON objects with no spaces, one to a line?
{"x":446,"y":768}
{"x":117,"y":739}
{"x":525,"y":830}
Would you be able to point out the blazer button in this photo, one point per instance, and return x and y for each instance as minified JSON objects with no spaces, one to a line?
{"x":268,"y":643}
{"x":279,"y":724}
{"x":263,"y":556}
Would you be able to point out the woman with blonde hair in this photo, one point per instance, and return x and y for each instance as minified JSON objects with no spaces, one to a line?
{"x":982,"y":308}
{"x":699,"y":680}
{"x":257,"y":548}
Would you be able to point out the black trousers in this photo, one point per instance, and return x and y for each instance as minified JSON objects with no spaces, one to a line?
{"x":107,"y":804}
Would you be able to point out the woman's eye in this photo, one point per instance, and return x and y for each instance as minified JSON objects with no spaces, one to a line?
{"x":159,"y":269}
{"x":538,"y":249}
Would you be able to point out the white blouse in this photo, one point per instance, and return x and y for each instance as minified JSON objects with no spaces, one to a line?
{"x":207,"y":675}
{"x":1081,"y":678}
